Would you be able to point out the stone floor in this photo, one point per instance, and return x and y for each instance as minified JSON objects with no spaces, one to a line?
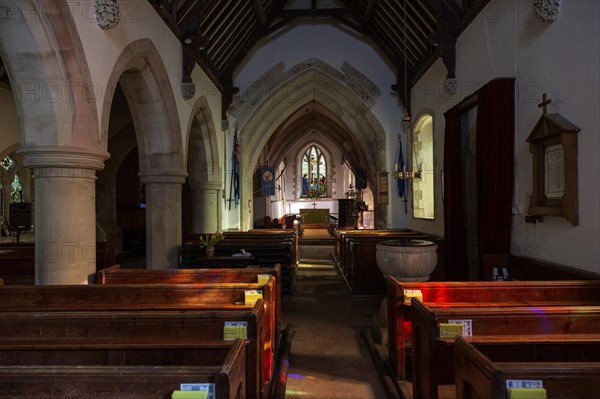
{"x":329,"y":359}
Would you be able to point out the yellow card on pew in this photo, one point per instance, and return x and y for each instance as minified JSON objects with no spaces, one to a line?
{"x":263,"y":278}
{"x":451,"y":330}
{"x":189,"y":395}
{"x":235,"y":329}
{"x":409,"y":294}
{"x":251,"y":296}
{"x":526,"y":393}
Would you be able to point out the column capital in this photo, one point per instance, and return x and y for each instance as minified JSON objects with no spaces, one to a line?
{"x":206,"y":185}
{"x":163,"y":177}
{"x":63,"y":157}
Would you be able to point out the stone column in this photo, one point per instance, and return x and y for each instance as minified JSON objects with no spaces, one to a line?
{"x":163,"y":218}
{"x":206,"y":206}
{"x":65,"y":212}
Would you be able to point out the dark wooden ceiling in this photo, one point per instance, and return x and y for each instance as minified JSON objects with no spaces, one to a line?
{"x":222,"y":32}
{"x":411,"y":34}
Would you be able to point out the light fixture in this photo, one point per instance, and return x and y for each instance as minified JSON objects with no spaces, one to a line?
{"x":406,"y":116}
{"x":407,"y":174}
{"x":399,"y":172}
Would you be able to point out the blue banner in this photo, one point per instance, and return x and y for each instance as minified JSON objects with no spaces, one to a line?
{"x":267,"y":181}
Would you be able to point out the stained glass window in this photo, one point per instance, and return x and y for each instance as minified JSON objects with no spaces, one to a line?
{"x":314,"y":173}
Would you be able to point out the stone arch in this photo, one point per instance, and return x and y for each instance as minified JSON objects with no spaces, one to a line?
{"x":312,"y":83}
{"x":205,"y":179}
{"x":54,"y":93}
{"x":148,"y":91}
{"x":202,"y":136}
{"x":55,"y":99}
{"x":143,"y":77}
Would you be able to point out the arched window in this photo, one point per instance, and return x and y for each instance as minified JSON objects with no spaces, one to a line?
{"x":314,"y":173}
{"x":423,"y":188}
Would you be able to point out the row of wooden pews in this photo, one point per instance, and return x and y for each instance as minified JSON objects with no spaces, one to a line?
{"x":268,"y":247}
{"x":355,"y":255}
{"x":17,"y":261}
{"x":505,"y":321}
{"x":477,"y":376}
{"x":157,"y":322}
{"x":128,"y":370}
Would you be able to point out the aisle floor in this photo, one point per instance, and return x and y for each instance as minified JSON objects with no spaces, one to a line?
{"x":329,"y":359}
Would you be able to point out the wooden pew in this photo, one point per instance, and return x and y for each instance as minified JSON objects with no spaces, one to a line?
{"x":17,"y":261}
{"x":482,"y":293}
{"x":549,"y":331}
{"x":117,"y":275}
{"x":146,"y":297}
{"x":356,"y":252}
{"x":290,"y":235}
{"x":238,"y":279}
{"x":130,"y":321}
{"x":477,"y":376}
{"x":109,"y":370}
{"x":268,"y":249}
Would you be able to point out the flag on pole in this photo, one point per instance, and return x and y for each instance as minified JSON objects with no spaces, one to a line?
{"x":235,"y":169}
{"x":400,"y":166}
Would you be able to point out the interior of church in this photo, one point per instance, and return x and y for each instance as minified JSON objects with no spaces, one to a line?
{"x":382,"y":198}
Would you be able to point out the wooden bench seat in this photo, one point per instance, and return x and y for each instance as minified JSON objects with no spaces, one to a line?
{"x":189,"y":295}
{"x":477,"y":376}
{"x":552,"y":332}
{"x":465,"y":294}
{"x":152,"y":327}
{"x":148,"y":297}
{"x":17,"y":261}
{"x":58,"y":371}
{"x":356,"y":257}
{"x":267,"y":251}
{"x":117,"y":275}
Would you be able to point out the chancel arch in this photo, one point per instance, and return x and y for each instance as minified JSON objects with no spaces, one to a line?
{"x":142,"y":75}
{"x":312,"y":95}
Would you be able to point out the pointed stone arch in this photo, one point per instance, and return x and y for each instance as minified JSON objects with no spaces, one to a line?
{"x":55,"y":99}
{"x":204,"y":171}
{"x":54,"y":93}
{"x":309,"y":82}
{"x":202,"y":135}
{"x":145,"y":82}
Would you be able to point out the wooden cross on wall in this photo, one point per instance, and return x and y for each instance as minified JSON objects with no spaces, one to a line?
{"x":544,"y":103}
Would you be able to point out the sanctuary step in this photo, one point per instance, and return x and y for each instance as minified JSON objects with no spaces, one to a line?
{"x":316,"y":246}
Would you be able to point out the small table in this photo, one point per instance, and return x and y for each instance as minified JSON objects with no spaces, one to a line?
{"x":223,"y":262}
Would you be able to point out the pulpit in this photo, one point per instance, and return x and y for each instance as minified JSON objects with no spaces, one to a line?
{"x":346,"y":213}
{"x":315,"y":217}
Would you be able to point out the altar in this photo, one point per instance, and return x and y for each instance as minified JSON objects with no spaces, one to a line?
{"x":314,"y":217}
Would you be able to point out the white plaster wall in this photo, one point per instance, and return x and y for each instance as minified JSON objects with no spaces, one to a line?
{"x":428,"y":97}
{"x":10,"y":131}
{"x":333,"y":45}
{"x":563,"y":59}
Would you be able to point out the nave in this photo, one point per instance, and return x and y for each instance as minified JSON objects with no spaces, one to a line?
{"x":329,"y":359}
{"x":536,"y":325}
